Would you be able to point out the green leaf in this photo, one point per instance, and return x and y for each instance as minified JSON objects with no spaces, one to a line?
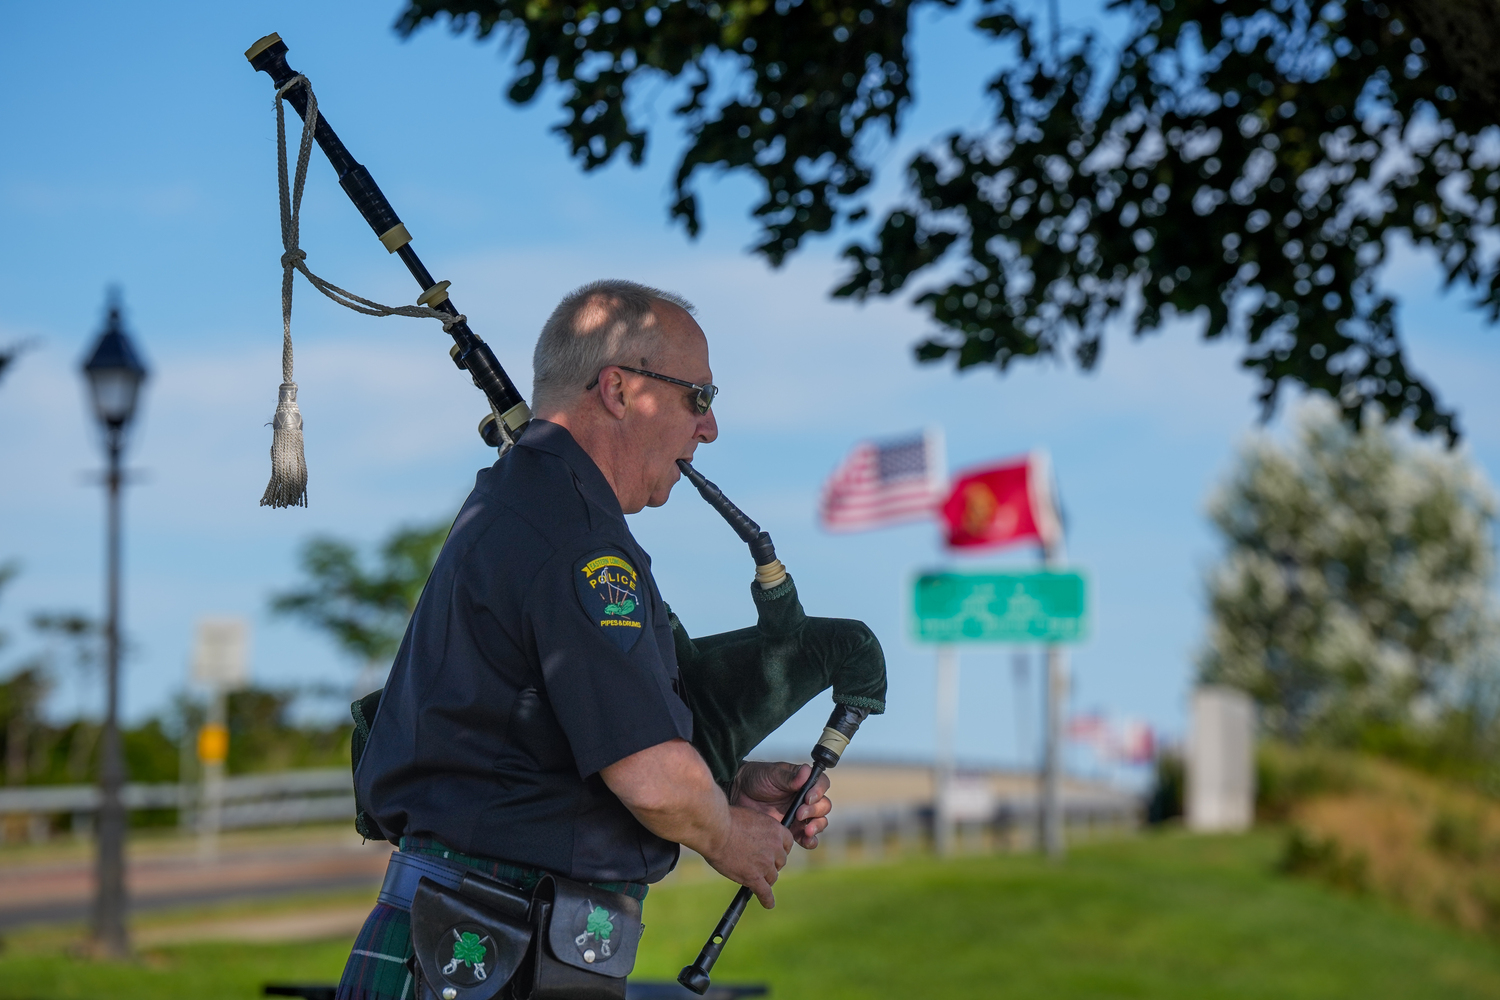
{"x":599,"y":925}
{"x":468,"y":949}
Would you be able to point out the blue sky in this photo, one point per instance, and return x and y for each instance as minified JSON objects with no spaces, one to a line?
{"x":141,"y":152}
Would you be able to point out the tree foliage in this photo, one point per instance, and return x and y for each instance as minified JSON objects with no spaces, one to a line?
{"x":9,"y":355}
{"x":786,"y":90}
{"x":363,"y":610}
{"x":1243,"y":163}
{"x":1240,"y":162}
{"x":8,"y":572}
{"x":1354,"y":591}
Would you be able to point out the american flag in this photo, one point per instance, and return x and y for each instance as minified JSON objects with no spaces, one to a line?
{"x":885,"y":482}
{"x":1128,"y":742}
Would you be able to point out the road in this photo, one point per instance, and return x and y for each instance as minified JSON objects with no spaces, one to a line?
{"x":55,"y":884}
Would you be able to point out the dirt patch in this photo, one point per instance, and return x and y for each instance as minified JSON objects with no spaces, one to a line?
{"x":1426,"y":845}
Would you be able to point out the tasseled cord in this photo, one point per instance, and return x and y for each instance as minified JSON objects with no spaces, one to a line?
{"x":288,"y":485}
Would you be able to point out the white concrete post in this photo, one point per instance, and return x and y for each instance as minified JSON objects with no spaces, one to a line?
{"x":1221,"y":761}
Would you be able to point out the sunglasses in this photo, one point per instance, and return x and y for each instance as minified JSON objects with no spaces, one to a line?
{"x":702,"y":396}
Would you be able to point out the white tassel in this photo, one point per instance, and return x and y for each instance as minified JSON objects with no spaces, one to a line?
{"x":288,"y":485}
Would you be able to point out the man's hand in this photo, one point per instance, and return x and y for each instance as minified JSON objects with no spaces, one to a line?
{"x":753,"y":853}
{"x":670,"y":790}
{"x":770,"y":788}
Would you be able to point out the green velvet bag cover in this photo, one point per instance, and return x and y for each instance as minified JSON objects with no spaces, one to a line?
{"x":742,"y":685}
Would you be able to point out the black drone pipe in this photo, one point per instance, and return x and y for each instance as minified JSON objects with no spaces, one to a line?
{"x":470,"y":353}
{"x":759,"y":541}
{"x":836,"y":736}
{"x":825,"y":755}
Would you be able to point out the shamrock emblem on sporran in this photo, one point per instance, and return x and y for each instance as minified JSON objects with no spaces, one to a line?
{"x":598,"y":928}
{"x":470,"y":951}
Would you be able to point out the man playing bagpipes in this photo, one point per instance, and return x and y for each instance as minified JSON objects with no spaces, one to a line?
{"x":535,"y":719}
{"x":550,"y":733}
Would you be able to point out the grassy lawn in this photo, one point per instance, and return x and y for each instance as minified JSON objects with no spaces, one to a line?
{"x":1157,"y":917}
{"x":200,"y":972}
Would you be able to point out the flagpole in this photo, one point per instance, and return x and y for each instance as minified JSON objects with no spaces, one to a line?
{"x":1020,"y":675}
{"x":1056,"y":696}
{"x":947,"y":724}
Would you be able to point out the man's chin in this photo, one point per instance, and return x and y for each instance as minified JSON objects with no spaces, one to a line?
{"x":660,"y":495}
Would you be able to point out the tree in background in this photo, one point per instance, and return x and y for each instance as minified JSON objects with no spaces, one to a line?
{"x":36,"y":750}
{"x":42,"y":751}
{"x":73,"y":636}
{"x":364,"y":611}
{"x":1353,"y":597}
{"x":1240,"y":162}
{"x":21,"y":695}
{"x":8,"y":571}
{"x":9,"y":355}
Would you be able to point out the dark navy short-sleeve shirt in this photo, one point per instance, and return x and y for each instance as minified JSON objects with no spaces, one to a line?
{"x":538,"y":654}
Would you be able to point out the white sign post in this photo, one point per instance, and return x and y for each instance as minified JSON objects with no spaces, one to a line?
{"x":221,"y":663}
{"x":947,"y":722}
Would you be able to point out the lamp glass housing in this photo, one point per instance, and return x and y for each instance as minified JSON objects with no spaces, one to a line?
{"x":114,"y":391}
{"x":115,"y":373}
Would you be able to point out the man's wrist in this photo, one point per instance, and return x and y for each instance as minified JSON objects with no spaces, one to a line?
{"x":719,"y":835}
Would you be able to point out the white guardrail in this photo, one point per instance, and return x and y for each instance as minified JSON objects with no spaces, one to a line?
{"x":1011,"y":823}
{"x":327,"y":795}
{"x":290,"y":797}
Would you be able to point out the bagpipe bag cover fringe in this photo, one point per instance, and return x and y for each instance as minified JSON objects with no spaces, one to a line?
{"x":742,"y":685}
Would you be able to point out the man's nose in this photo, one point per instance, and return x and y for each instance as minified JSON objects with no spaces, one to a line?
{"x":708,"y":427}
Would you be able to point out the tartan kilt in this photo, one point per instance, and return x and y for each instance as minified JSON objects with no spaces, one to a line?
{"x":382,"y":964}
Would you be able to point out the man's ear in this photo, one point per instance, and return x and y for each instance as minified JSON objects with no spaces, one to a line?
{"x":611,"y":390}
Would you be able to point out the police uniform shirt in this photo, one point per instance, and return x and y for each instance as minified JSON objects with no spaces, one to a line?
{"x":538,"y":654}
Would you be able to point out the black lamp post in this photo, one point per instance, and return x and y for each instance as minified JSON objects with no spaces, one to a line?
{"x":115,"y":374}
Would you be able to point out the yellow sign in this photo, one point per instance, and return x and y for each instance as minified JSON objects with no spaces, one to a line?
{"x":213,"y":743}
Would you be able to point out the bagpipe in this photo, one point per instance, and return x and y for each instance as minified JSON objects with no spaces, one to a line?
{"x":741,"y":685}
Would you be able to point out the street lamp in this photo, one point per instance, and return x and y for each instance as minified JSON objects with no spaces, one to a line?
{"x":115,"y":374}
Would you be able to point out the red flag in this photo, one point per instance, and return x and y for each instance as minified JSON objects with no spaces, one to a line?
{"x":1001,"y":504}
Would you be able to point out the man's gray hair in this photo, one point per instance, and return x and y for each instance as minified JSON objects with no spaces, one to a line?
{"x":603,"y":323}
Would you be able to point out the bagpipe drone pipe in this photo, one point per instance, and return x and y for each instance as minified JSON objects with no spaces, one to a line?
{"x":741,"y":685}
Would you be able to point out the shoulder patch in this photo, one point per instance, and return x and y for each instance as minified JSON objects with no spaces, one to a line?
{"x":610,"y":590}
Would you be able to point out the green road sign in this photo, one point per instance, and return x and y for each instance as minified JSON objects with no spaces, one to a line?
{"x":1000,"y":607}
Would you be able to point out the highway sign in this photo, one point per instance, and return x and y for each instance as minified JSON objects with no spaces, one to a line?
{"x":1018,"y":608}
